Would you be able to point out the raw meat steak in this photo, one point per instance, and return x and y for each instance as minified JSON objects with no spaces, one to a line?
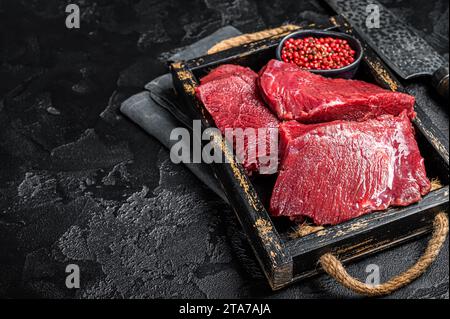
{"x":230,"y":95}
{"x":293,"y":93}
{"x":333,"y":172}
{"x":227,"y":70}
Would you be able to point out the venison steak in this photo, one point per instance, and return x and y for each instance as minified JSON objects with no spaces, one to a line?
{"x":296,"y":94}
{"x":336,"y":171}
{"x":231,"y":96}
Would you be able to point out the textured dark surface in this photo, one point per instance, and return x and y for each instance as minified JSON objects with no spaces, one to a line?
{"x":81,"y":184}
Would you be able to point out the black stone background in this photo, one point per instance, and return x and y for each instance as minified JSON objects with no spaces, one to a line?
{"x":81,"y":184}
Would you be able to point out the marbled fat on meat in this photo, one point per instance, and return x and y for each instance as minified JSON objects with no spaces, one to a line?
{"x":336,"y":171}
{"x":296,"y":94}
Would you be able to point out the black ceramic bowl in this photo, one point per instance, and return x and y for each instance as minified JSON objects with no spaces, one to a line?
{"x":346,"y":72}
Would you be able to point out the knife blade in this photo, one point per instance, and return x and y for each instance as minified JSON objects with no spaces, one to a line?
{"x":405,"y":52}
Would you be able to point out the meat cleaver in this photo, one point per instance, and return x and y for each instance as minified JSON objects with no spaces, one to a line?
{"x":408,"y":54}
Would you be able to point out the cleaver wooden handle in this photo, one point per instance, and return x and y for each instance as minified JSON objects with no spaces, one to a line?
{"x":440,"y":81}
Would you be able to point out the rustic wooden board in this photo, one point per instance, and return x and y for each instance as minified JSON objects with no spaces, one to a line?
{"x":285,"y":260}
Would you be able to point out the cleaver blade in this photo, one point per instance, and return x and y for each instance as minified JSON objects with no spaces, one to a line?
{"x":405,"y":52}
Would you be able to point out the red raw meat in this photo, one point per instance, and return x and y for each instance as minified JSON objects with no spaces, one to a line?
{"x":226,"y":70}
{"x":336,"y":171}
{"x":230,"y":94}
{"x":293,"y":93}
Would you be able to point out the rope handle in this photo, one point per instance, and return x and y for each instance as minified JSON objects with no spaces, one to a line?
{"x":251,"y":37}
{"x":335,"y":269}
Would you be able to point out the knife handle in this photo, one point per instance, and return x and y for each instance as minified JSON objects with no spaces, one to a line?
{"x":440,"y":81}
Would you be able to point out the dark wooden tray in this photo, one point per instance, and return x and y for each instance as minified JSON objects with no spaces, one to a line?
{"x":283,"y":259}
